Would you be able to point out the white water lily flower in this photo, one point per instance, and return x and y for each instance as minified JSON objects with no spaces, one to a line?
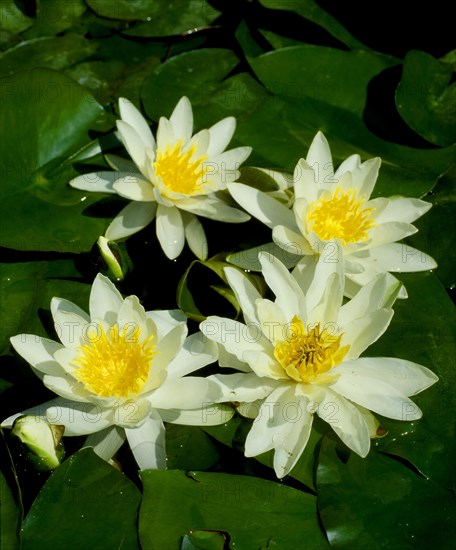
{"x":300,"y":355}
{"x":173,"y":178}
{"x":336,"y":205}
{"x":120,"y":372}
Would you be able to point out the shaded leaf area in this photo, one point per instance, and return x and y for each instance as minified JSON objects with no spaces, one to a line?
{"x":85,"y":501}
{"x":234,"y":432}
{"x":26,"y":289}
{"x":38,"y":210}
{"x":423,"y":330}
{"x":250,"y":512}
{"x":215,"y":280}
{"x":329,"y":75}
{"x":377,"y":502}
{"x":438,"y":227}
{"x":311,"y":10}
{"x":426,"y":98}
{"x":189,"y":448}
{"x":10,"y":501}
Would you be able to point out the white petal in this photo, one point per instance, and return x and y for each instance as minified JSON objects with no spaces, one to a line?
{"x":320,"y":159}
{"x":134,"y":145}
{"x":165,"y":134}
{"x":220,"y":135}
{"x":70,"y":328}
{"x":274,"y":422}
{"x":371,"y":297}
{"x":135,"y":188}
{"x":209,"y":415}
{"x":228,"y":162}
{"x":130,"y":114}
{"x":181,"y":120}
{"x":131,"y":317}
{"x":242,"y":387}
{"x":375,"y":394}
{"x":147,"y":443}
{"x":197,"y":352}
{"x":210,"y":206}
{"x":265,"y":365}
{"x":329,"y":269}
{"x":365,"y":177}
{"x":38,"y":410}
{"x":403,"y":209}
{"x":170,"y":231}
{"x":165,"y":320}
{"x":344,"y":418}
{"x":364,"y":331}
{"x":260,"y":205}
{"x":131,"y":219}
{"x":190,"y":392}
{"x":132,"y":413}
{"x":246,"y":294}
{"x":100,"y":182}
{"x":60,"y":304}
{"x":234,"y":336}
{"x":407,"y":377}
{"x":167,"y":348}
{"x":105,"y":300}
{"x":388,"y":232}
{"x":37,"y":351}
{"x":195,"y":235}
{"x":107,"y":442}
{"x":289,"y":296}
{"x":288,"y":452}
{"x":304,"y":272}
{"x":291,"y":241}
{"x":67,"y":388}
{"x":228,"y":360}
{"x":348,"y":165}
{"x":79,"y":418}
{"x":305,"y":182}
{"x":400,"y":257}
{"x":273,"y":322}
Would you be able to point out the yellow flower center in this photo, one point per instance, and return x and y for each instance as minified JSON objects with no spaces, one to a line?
{"x":343,"y":216}
{"x":306,"y":354}
{"x":178,"y":171}
{"x":114,"y":364}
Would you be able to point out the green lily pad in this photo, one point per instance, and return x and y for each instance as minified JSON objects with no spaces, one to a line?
{"x":13,"y":20}
{"x":46,"y":118}
{"x":379,"y":503}
{"x":327,"y":74}
{"x":51,"y":53}
{"x":426,"y":98}
{"x":68,"y":507}
{"x":26,"y":287}
{"x":189,"y":448}
{"x":196,"y":74}
{"x":162,"y":20}
{"x":423,"y":330}
{"x":10,"y":501}
{"x":254,"y":513}
{"x":311,"y":10}
{"x":55,"y":16}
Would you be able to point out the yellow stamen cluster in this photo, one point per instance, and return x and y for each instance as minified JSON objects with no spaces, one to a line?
{"x":306,"y":354}
{"x":342,"y":216}
{"x":178,"y":171}
{"x":116,"y":364}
